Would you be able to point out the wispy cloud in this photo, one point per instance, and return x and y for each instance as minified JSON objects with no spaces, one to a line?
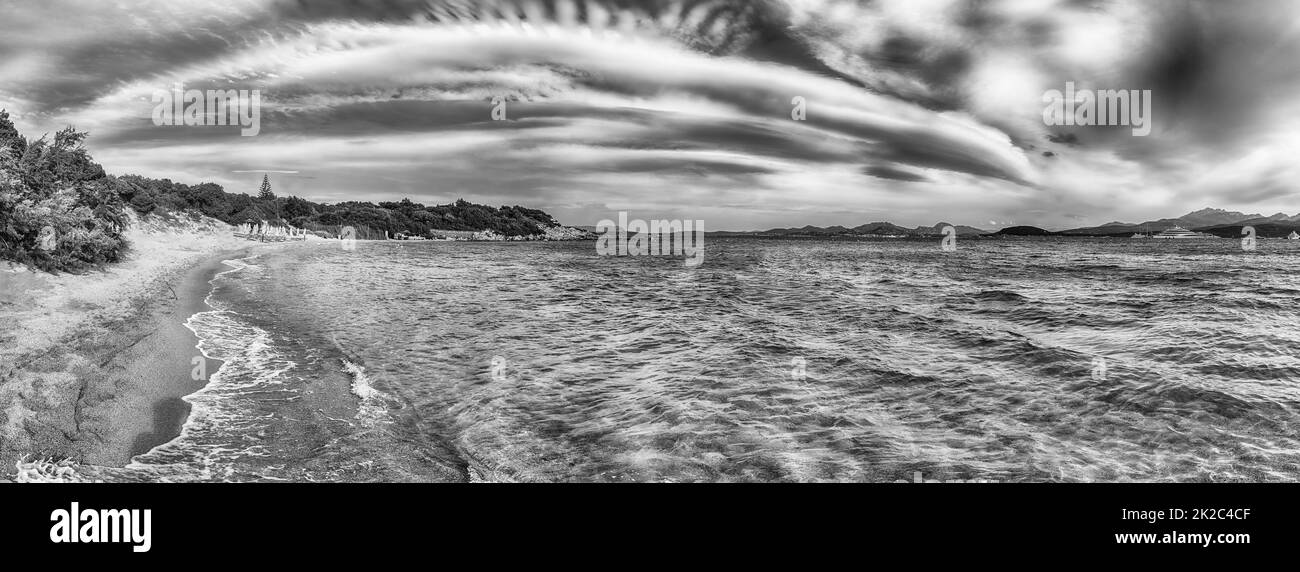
{"x":920,"y":110}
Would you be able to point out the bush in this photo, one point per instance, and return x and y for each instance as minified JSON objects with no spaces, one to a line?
{"x":57,"y":209}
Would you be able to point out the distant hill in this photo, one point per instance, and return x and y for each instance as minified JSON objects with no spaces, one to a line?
{"x":1197,"y":220}
{"x":1109,"y":229}
{"x":1218,"y":222}
{"x":806,"y":231}
{"x":881,"y":229}
{"x":937,"y":230}
{"x":1204,"y":217}
{"x":1025,"y":231}
{"x":868,"y":230}
{"x":1277,"y":218}
{"x":1262,"y":230}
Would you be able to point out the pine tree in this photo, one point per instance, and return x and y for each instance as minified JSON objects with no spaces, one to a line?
{"x":265,"y":193}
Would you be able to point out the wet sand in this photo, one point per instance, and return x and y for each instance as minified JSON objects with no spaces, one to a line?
{"x":160,"y":370}
{"x":94,"y":367}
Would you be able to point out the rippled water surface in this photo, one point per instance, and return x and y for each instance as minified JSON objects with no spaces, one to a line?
{"x":1033,"y":360}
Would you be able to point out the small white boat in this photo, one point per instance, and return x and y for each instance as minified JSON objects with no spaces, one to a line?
{"x":1293,"y":236}
{"x":1179,"y":232}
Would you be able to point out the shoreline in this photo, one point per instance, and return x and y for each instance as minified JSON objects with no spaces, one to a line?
{"x":160,"y":369}
{"x":94,"y":367}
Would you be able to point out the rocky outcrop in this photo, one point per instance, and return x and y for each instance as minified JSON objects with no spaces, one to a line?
{"x":566,"y":233}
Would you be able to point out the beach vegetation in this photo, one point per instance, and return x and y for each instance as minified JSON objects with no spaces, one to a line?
{"x":58,"y":209}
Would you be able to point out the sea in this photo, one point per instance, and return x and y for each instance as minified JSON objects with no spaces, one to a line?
{"x":1035,"y":360}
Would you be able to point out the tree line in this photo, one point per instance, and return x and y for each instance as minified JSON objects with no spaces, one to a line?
{"x":59,"y":210}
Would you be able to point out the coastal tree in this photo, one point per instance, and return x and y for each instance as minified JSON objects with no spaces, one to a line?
{"x":295,"y":207}
{"x":9,"y":137}
{"x":265,"y":192}
{"x":58,"y":210}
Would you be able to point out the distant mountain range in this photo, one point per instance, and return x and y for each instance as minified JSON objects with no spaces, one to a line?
{"x":871,"y":229}
{"x":1218,"y":222}
{"x":1212,"y":221}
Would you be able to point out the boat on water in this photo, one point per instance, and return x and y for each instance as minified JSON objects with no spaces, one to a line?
{"x":1179,"y":232}
{"x":1293,"y":236}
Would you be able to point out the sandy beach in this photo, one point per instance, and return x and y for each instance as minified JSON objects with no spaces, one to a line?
{"x":93,"y":366}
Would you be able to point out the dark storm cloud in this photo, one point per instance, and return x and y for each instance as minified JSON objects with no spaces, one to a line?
{"x":375,"y":98}
{"x":697,"y":167}
{"x":893,"y":173}
{"x":113,"y":49}
{"x":613,"y":97}
{"x":369,"y":10}
{"x":1219,"y":71}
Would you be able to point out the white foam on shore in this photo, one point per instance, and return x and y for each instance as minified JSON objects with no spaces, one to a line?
{"x":206,"y":446}
{"x":218,"y":333}
{"x":222,"y":411}
{"x":373,"y":405}
{"x":235,"y":266}
{"x":48,"y":471}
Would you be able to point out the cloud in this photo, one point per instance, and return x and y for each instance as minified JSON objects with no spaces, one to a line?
{"x":929,"y":109}
{"x":894,"y":173}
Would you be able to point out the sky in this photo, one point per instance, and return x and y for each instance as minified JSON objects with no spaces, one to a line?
{"x":914,"y":111}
